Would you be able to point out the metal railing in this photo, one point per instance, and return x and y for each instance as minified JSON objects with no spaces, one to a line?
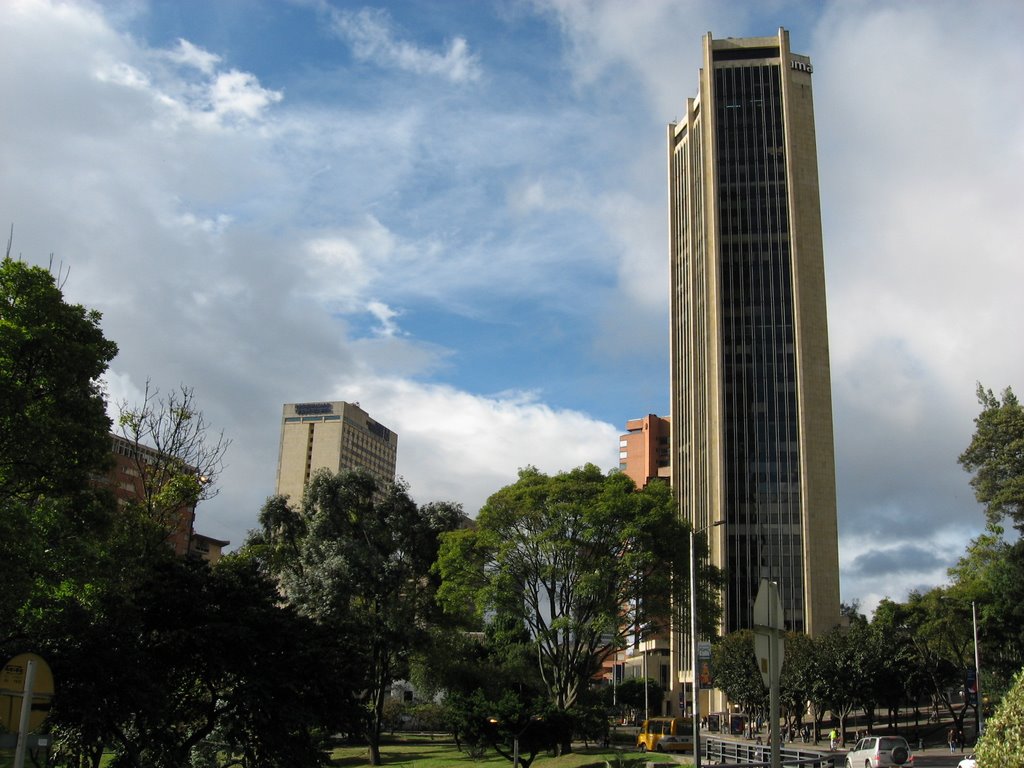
{"x":740,"y":754}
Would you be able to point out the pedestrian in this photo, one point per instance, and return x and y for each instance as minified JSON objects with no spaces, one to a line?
{"x":833,"y":739}
{"x":951,"y":739}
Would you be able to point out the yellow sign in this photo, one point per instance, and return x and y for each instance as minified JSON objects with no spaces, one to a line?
{"x":12,"y":691}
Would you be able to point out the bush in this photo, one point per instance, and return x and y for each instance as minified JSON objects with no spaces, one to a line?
{"x":1002,"y":744}
{"x":429,"y":716}
{"x":623,"y":737}
{"x":393,"y":716}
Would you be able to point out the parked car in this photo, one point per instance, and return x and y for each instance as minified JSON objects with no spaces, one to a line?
{"x":880,"y":752}
{"x":968,"y":762}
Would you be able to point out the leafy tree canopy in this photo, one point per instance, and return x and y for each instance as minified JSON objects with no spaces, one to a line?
{"x":176,"y":456}
{"x":584,"y":561}
{"x":54,"y":436}
{"x":53,"y":420}
{"x":357,"y":559}
{"x":1002,"y":743}
{"x":996,"y":457}
{"x":991,"y":576}
{"x":736,"y":672}
{"x":190,"y":652}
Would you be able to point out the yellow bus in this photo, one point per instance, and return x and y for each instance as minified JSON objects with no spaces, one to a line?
{"x":666,"y":734}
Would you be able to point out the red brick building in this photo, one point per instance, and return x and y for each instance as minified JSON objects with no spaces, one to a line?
{"x":645,"y":449}
{"x":125,"y":480}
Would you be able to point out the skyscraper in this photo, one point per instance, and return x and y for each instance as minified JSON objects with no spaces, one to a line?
{"x":751,"y":396}
{"x":334,"y":436}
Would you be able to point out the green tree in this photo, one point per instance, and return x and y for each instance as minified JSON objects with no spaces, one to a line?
{"x":632,"y":693}
{"x":1003,"y":741}
{"x":176,"y":456}
{"x":942,"y":643}
{"x":473,"y":670}
{"x":53,"y":439}
{"x":496,"y":660}
{"x":796,"y":681}
{"x":468,"y":715}
{"x":583,"y":560}
{"x":991,"y":575}
{"x":737,"y":674}
{"x":53,"y":421}
{"x":839,"y":687}
{"x":996,"y":457}
{"x":357,"y":559}
{"x":902,"y":678}
{"x":188,"y":654}
{"x":522,"y":733}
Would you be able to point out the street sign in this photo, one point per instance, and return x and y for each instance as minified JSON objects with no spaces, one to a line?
{"x":705,"y":677}
{"x":12,"y":691}
{"x":768,"y":623}
{"x":762,"y":650}
{"x":768,"y":606}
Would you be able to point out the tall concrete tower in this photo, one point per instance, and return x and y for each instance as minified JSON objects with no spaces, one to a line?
{"x":751,"y":396}
{"x":335,"y":436}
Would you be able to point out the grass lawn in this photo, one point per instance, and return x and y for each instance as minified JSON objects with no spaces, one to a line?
{"x":441,"y":754}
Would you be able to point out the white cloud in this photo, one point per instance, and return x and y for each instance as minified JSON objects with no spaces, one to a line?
{"x":385,"y":317}
{"x":215,"y":100}
{"x":645,"y":44}
{"x":191,"y":55}
{"x":457,"y":446}
{"x":372,"y":36}
{"x":340,"y":267}
{"x":120,"y":389}
{"x":124,"y":74}
{"x":240,"y":93}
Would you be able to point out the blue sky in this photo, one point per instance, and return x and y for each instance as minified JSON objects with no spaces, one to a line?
{"x":454,"y":213}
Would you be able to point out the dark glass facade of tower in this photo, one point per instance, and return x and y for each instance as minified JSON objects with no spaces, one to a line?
{"x":759,"y":382}
{"x":751,"y":394}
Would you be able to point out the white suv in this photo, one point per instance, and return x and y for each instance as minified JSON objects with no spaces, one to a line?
{"x":880,"y":752}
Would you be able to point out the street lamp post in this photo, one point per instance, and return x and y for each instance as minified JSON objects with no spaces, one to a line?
{"x":693,"y":639}
{"x":977,"y":674}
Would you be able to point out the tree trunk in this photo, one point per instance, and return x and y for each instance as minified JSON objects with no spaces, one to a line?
{"x":374,"y":753}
